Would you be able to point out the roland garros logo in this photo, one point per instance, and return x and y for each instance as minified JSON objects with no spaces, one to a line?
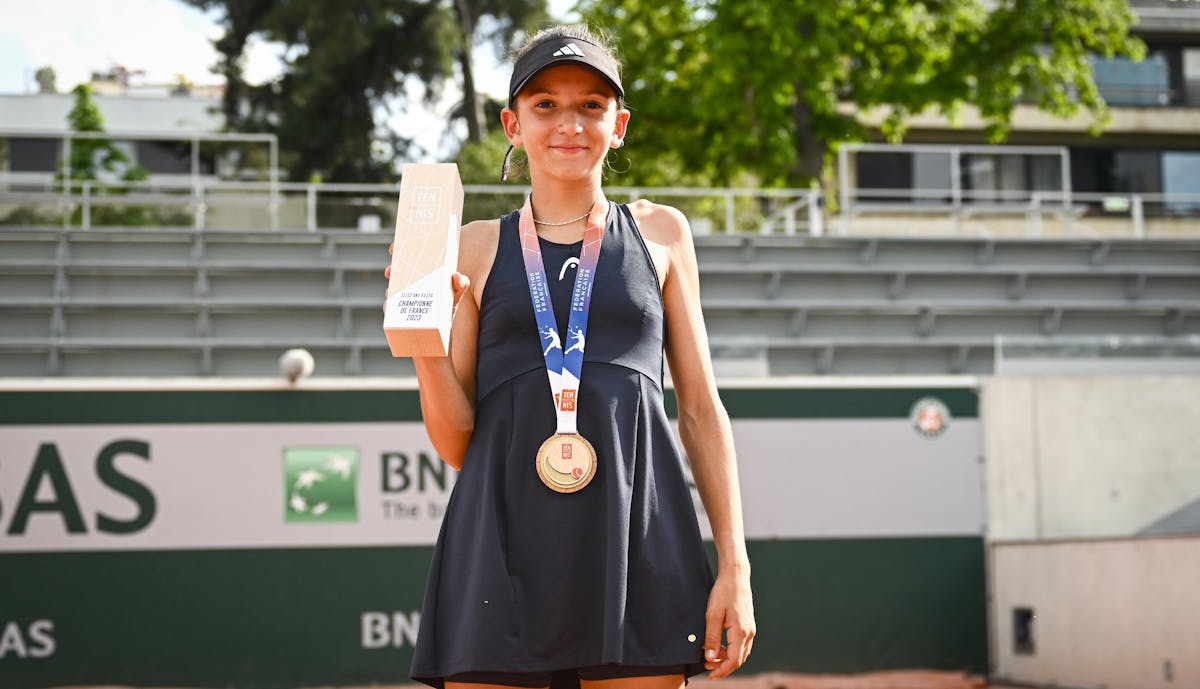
{"x":929,"y":416}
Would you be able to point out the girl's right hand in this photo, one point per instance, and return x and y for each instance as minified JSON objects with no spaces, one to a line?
{"x":459,"y":282}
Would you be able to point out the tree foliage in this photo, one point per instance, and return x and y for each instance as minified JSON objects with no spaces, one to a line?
{"x":506,"y":20}
{"x":95,"y":159}
{"x":769,"y":88}
{"x":46,"y":79}
{"x":101,"y":160}
{"x":345,"y":63}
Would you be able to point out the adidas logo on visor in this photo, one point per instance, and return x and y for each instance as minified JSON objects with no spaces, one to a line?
{"x":568,"y":49}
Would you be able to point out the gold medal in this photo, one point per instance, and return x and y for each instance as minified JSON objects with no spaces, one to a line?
{"x":566,"y":462}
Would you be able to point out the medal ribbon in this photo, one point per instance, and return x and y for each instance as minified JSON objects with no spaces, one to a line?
{"x":564,"y":368}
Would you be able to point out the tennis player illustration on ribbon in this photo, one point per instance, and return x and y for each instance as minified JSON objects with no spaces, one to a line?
{"x":551,"y":336}
{"x":577,"y":345}
{"x":569,"y":551}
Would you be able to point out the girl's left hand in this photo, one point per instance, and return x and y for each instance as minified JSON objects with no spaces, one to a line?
{"x":730,"y":609}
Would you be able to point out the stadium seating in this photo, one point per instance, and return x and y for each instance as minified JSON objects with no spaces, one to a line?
{"x":175,"y":302}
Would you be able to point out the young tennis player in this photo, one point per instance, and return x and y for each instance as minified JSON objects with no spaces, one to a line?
{"x":570,"y":547}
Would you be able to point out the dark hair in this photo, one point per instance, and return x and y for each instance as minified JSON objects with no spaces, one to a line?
{"x":516,"y":165}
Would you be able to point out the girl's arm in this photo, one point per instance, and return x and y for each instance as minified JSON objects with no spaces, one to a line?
{"x":447,"y":384}
{"x":706,"y":433}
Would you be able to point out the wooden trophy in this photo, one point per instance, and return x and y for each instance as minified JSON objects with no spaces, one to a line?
{"x":416,"y":318}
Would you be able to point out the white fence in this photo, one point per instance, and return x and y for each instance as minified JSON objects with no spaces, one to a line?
{"x":949,"y":190}
{"x":917,"y":212}
{"x":365,"y":206}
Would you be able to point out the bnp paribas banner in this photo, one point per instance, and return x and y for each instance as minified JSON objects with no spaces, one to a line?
{"x":228,"y":485}
{"x":273,"y":537}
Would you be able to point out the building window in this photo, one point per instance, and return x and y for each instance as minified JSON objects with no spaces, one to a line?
{"x":880,"y":176}
{"x":1140,"y":171}
{"x":927,"y":177}
{"x":1170,"y":75}
{"x":170,"y":157}
{"x":1104,"y":170}
{"x":1181,"y":175}
{"x":931,"y":177}
{"x":33,"y":155}
{"x":1009,"y":178}
{"x":1124,"y":82}
{"x":1191,"y":77}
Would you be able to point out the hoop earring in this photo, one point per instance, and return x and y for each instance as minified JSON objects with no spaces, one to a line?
{"x":504,"y":165}
{"x":608,"y":163}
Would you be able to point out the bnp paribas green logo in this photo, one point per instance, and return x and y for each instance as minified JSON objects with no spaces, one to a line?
{"x":320,"y":484}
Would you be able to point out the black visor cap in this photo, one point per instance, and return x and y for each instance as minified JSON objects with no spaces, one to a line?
{"x":563,"y":51}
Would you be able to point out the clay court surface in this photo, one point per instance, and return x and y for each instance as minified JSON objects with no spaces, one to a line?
{"x":908,"y":679}
{"x":901,"y":679}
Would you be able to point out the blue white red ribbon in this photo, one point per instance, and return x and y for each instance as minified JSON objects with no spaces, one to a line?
{"x":564,"y":360}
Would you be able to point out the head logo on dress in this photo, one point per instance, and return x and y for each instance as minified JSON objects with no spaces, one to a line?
{"x":568,"y":49}
{"x":567,"y":264}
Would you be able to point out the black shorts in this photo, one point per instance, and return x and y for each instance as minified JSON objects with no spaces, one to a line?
{"x":568,"y":678}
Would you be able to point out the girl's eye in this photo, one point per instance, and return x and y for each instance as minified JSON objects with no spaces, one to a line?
{"x":544,"y":104}
{"x":595,"y":105}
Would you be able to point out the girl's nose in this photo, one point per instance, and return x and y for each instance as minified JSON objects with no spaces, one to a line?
{"x":569,"y":123}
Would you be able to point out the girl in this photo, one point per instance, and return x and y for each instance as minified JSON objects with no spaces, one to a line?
{"x":570,"y":548}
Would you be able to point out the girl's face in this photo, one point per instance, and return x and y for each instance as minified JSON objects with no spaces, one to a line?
{"x":567,"y":119}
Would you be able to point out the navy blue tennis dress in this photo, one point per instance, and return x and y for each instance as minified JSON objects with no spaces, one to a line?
{"x":525,"y":579}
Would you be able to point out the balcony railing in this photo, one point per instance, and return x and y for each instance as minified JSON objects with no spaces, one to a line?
{"x":1020,"y":211}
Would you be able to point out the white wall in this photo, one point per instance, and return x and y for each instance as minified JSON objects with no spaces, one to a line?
{"x":1111,"y":613}
{"x":1088,"y":456}
{"x":1077,"y":466}
{"x":167,"y":114}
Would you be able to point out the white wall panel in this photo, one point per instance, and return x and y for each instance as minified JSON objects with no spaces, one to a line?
{"x":1072,"y":457}
{"x":1121,"y":614}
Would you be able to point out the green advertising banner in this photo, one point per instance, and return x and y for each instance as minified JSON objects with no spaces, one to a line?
{"x":279,"y":538}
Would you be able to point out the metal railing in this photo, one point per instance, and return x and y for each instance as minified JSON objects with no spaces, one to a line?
{"x":1081,"y":213}
{"x":372,"y":207}
{"x":314,"y":206}
{"x":974,"y":192}
{"x":202,"y":202}
{"x":1106,"y":354}
{"x":193,"y":139}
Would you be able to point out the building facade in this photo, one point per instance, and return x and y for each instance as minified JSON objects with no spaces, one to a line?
{"x":1151,"y":147}
{"x":31,"y":126}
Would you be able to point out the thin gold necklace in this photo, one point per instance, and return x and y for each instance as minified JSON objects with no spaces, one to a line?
{"x":565,"y":222}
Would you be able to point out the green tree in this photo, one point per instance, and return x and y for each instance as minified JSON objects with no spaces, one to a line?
{"x":100,"y":160}
{"x":479,"y":163}
{"x":506,"y":19}
{"x":46,"y":79}
{"x":94,"y":159}
{"x":770,"y":88}
{"x":345,"y":62}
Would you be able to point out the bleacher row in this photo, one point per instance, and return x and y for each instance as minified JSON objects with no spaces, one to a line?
{"x":182,"y":303}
